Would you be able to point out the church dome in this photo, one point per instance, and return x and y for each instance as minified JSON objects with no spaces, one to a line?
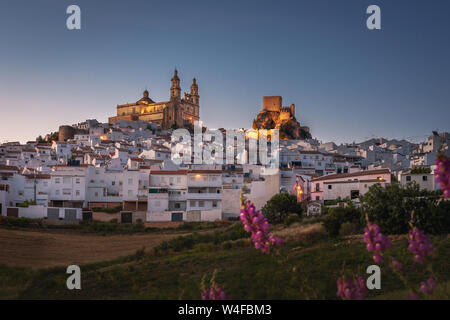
{"x":145,"y":99}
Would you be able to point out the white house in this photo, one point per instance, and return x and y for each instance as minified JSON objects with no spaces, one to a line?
{"x":347,"y":185}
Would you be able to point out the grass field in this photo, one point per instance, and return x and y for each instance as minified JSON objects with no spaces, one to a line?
{"x":306,"y":266}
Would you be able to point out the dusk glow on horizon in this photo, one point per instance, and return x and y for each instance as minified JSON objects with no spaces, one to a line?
{"x":348,"y":83}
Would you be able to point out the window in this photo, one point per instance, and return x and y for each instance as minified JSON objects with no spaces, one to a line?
{"x":96,"y":194}
{"x":130,"y":181}
{"x":201,"y":204}
{"x":171,"y":179}
{"x":130,"y":193}
{"x":77,"y":193}
{"x":317,"y":198}
{"x":20,"y":193}
{"x":45,"y":183}
{"x":66,"y":180}
{"x":317,"y":187}
{"x":113,"y":183}
{"x":77,"y":180}
{"x":408,"y":178}
{"x":178,"y":179}
{"x":192,"y":203}
{"x":424,"y":178}
{"x":57,"y":192}
{"x":67,"y":192}
{"x":329,"y":186}
{"x":177,"y":205}
{"x":214,"y":204}
{"x":354,"y":194}
{"x":57,"y":180}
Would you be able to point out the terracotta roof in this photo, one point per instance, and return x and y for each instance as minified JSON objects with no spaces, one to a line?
{"x":169,"y":172}
{"x":11,"y":168}
{"x":205,"y":171}
{"x":354,"y":174}
{"x":137,"y":159}
{"x":37,"y":176}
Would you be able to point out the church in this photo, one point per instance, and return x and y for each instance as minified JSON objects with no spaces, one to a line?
{"x":176,"y":113}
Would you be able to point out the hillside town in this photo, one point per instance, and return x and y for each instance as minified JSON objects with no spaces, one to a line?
{"x":126,"y":165}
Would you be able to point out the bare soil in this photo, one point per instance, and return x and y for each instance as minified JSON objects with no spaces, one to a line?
{"x":40,"y":249}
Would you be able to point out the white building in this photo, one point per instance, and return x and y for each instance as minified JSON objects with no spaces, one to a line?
{"x":347,"y":185}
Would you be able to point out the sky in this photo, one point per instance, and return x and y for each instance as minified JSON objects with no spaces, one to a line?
{"x":348,"y":83}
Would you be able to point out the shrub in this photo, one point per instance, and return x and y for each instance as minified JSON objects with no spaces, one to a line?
{"x":290,"y":219}
{"x":26,"y":204}
{"x":11,"y":222}
{"x":108,"y":210}
{"x":339,"y":215}
{"x":280,"y":206}
{"x":216,"y":238}
{"x":391,"y":209}
{"x":349,"y":228}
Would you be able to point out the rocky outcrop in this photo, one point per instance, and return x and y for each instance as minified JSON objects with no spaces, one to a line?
{"x":273,"y":116}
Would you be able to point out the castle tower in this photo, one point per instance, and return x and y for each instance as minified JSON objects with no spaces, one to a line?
{"x":292,"y":110}
{"x":175,"y":90}
{"x":194,"y":92}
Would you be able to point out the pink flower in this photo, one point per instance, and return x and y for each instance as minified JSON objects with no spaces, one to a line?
{"x":396,"y":264}
{"x":376,"y":241}
{"x":428,"y":286}
{"x":351,"y":289}
{"x":216,"y":292}
{"x":419,"y":245}
{"x":257,"y":224}
{"x":412,"y":296}
{"x":442,"y":174}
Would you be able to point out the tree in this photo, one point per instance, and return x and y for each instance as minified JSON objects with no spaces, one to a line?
{"x":392,"y":207}
{"x":280,"y":206}
{"x":337,"y":216}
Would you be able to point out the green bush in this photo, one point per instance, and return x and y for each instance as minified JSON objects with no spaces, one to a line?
{"x":216,"y":238}
{"x":108,"y":210}
{"x":290,"y":219}
{"x":339,"y":215}
{"x":349,"y":228}
{"x":26,"y":204}
{"x":13,"y":222}
{"x":392,"y":208}
{"x":280,"y":206}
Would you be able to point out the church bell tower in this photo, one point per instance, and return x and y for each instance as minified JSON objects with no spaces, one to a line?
{"x":175,"y":89}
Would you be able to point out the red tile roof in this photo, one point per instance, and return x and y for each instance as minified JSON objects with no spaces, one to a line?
{"x":354,"y":174}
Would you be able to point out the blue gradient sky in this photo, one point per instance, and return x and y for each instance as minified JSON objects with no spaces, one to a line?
{"x":348,"y":83}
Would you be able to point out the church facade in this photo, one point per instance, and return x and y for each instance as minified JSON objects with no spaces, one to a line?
{"x":178,"y":112}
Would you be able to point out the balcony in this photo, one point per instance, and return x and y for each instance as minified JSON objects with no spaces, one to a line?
{"x":203,"y":196}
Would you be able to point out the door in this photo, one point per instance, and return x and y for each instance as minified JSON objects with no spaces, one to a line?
{"x":52,"y":213}
{"x":87,"y":216}
{"x":12,"y":212}
{"x":177,"y":216}
{"x":126,"y":217}
{"x":70,"y":214}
